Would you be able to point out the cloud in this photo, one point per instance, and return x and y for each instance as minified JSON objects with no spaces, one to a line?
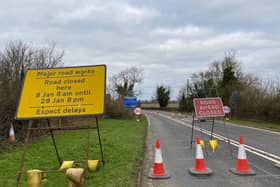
{"x":107,"y":12}
{"x":213,"y":42}
{"x":265,"y":60}
{"x":187,"y":31}
{"x":170,"y":40}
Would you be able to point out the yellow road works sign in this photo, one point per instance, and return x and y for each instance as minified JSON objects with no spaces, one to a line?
{"x":60,"y":92}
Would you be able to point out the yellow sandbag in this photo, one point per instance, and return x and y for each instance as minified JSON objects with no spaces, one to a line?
{"x":66,"y":165}
{"x":202,"y":144}
{"x":35,"y":177}
{"x":213,"y":145}
{"x":92,"y":164}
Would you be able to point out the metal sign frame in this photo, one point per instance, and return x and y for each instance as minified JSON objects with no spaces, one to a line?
{"x":52,"y":129}
{"x":212,"y":124}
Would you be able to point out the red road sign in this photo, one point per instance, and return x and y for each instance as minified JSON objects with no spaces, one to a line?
{"x":137,"y":111}
{"x":208,"y":107}
{"x":226,"y":109}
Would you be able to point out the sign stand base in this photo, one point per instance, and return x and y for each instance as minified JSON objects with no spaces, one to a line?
{"x":51,"y":129}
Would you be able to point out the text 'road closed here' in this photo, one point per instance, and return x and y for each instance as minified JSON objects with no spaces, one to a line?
{"x":61,"y":92}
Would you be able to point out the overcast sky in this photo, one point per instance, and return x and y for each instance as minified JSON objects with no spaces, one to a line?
{"x":169,"y":39}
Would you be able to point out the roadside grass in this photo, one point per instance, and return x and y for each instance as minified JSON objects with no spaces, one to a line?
{"x":257,"y":124}
{"x":123,"y":146}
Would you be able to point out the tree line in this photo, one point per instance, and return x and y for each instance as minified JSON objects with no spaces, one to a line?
{"x":15,"y":59}
{"x":248,"y":96}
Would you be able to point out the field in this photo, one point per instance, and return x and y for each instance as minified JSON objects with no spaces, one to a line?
{"x":123,"y":144}
{"x":172,"y":105}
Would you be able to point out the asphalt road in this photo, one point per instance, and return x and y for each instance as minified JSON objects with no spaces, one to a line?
{"x":175,"y":135}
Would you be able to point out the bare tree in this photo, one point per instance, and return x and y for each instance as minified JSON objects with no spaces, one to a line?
{"x":47,"y":57}
{"x":248,"y":96}
{"x":15,"y":59}
{"x":124,"y":82}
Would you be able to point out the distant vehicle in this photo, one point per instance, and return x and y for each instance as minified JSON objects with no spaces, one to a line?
{"x":201,"y":119}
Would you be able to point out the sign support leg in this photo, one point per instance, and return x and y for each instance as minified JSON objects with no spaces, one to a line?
{"x":87,"y":148}
{"x":99,"y":138}
{"x":23,"y":154}
{"x":192,"y":131}
{"x":53,"y":140}
{"x":212,"y":129}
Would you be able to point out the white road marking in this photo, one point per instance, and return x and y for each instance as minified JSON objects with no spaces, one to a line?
{"x":256,"y":151}
{"x":258,"y":129}
{"x":241,"y":126}
{"x":148,"y":119}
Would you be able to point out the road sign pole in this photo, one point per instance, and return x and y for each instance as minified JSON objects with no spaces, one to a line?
{"x":87,"y":150}
{"x":23,"y":154}
{"x":212,"y":129}
{"x":192,"y":131}
{"x":99,"y":139}
{"x":54,"y":143}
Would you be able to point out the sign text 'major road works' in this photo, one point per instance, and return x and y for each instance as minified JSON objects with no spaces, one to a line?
{"x":62,"y":92}
{"x":208,"y":107}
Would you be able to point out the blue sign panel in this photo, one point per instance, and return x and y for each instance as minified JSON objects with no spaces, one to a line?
{"x":130,"y":101}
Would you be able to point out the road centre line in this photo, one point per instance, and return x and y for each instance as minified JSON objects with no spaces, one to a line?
{"x":250,"y":147}
{"x":246,"y":146}
{"x":247,"y":127}
{"x":242,"y":126}
{"x":261,"y":153}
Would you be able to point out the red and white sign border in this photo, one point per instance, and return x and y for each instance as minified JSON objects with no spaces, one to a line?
{"x":136,"y":111}
{"x":210,"y":98}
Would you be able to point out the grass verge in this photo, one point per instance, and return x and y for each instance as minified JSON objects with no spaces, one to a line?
{"x":256,"y":124}
{"x":123,"y":145}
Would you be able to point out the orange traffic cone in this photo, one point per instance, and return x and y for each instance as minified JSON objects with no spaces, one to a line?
{"x":158,"y":172}
{"x":200,"y":166}
{"x":242,"y":167}
{"x":12,"y":137}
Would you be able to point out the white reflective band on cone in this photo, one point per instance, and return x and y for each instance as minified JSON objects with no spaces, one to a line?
{"x":158,"y":157}
{"x":199,"y":153}
{"x":241,"y":152}
{"x":12,"y":132}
